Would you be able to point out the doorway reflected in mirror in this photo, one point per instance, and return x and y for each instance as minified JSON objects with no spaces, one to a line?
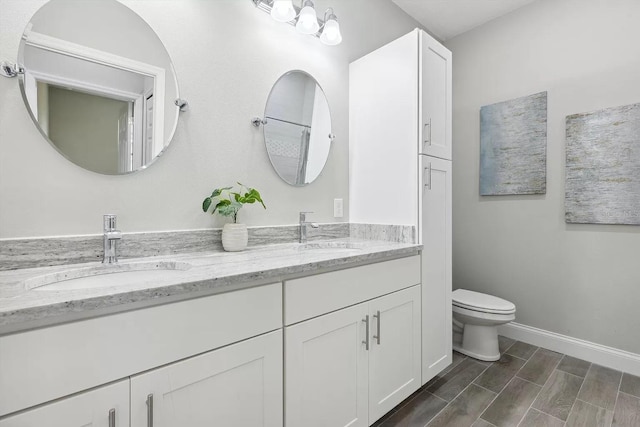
{"x":103,"y":98}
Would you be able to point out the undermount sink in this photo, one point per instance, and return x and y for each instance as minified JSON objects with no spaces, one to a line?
{"x":329,"y":246}
{"x":105,"y":275}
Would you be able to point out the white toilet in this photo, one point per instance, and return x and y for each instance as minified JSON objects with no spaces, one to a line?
{"x":476,"y":318}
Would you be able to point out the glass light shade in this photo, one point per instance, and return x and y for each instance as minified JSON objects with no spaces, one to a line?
{"x":308,"y":21}
{"x":283,"y":11}
{"x":331,"y":32}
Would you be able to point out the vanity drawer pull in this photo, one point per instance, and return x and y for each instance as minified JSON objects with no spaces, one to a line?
{"x":366,"y":341}
{"x":377,"y":316}
{"x":112,"y":418}
{"x":150,"y":410}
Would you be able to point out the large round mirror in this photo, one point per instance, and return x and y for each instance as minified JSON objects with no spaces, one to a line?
{"x":99,"y":84}
{"x":297,"y":128}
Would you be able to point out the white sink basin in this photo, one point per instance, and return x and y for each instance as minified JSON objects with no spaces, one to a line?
{"x":105,"y":275}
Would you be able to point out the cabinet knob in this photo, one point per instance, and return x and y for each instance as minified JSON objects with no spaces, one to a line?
{"x":112,"y":418}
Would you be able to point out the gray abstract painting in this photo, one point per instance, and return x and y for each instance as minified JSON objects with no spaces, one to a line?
{"x":603,"y":166}
{"x":513,"y":146}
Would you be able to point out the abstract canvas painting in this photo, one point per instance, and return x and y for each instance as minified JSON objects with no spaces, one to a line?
{"x":603,"y":166}
{"x":513,"y":146}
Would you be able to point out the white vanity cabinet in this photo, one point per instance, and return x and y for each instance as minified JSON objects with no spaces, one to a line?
{"x":106,"y":406}
{"x":235,"y":386}
{"x":337,"y":348}
{"x":350,"y":366}
{"x":394,"y":357}
{"x":204,"y":354}
{"x":327,"y":370}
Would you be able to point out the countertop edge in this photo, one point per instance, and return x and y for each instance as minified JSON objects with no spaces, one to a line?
{"x":56,"y":313}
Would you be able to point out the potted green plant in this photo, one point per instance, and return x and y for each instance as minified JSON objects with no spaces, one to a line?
{"x":227,"y":202}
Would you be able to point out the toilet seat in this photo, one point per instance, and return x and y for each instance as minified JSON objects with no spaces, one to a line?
{"x":481,"y":303}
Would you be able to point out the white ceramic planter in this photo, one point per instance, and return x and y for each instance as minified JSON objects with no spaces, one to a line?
{"x":234,"y":237}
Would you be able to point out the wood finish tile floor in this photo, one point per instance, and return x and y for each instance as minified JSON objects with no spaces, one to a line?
{"x":528,"y":387}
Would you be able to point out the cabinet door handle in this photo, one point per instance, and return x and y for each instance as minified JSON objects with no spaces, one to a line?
{"x":427,"y":135}
{"x":150,"y":410}
{"x":112,"y":418}
{"x":377,"y":316}
{"x":428,"y":173}
{"x":366,"y":340}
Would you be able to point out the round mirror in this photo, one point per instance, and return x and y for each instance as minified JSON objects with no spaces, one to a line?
{"x":297,"y":128}
{"x":99,"y":84}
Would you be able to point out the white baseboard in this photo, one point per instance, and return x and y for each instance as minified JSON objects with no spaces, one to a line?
{"x":592,"y":352}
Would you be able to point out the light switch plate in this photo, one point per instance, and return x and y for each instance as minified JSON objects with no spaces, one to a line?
{"x":338,"y":208}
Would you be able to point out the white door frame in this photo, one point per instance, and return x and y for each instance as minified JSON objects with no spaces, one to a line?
{"x":64,"y":47}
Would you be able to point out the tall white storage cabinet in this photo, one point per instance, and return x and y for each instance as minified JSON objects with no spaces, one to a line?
{"x":436,"y":267}
{"x":383,"y":134}
{"x":400,"y":165}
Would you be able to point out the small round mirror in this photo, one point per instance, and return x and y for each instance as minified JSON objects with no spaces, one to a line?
{"x":99,"y":84}
{"x":297,"y":128}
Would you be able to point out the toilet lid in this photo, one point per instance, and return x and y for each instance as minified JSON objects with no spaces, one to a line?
{"x":481,"y":302}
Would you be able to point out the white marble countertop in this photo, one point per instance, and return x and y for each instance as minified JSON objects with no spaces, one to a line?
{"x":25,"y":303}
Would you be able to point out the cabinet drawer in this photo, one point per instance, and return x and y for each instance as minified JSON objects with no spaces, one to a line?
{"x":91,"y":408}
{"x":45,"y":364}
{"x":312,"y":296}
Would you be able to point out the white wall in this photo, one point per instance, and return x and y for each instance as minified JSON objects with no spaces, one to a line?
{"x":227,"y":55}
{"x":578,"y":280}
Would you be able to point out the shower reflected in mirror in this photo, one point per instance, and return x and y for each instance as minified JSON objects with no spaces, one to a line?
{"x":297,"y":128}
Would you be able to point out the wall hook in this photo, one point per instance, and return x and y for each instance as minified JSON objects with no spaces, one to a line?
{"x":182,"y":104}
{"x":9,"y":69}
{"x":257,"y":121}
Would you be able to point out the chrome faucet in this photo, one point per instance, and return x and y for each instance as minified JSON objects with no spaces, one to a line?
{"x":110,"y":237}
{"x":303,"y":226}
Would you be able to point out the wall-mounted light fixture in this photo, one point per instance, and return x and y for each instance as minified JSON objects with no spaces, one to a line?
{"x":304,"y":18}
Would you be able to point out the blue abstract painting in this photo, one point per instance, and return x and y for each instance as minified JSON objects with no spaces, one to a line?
{"x":513,"y":146}
{"x":603,"y":166}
